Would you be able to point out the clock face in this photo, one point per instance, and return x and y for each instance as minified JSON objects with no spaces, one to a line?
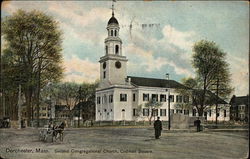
{"x":104,"y":65}
{"x":118,"y":64}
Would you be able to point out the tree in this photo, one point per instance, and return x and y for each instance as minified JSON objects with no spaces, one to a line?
{"x":87,"y":98}
{"x":152,"y":105}
{"x":210,"y":65}
{"x":195,"y":93}
{"x":35,"y":41}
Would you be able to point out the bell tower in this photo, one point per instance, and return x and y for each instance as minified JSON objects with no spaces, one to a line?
{"x":113,"y":65}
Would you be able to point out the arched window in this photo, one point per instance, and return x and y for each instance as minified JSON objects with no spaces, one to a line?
{"x":115,"y":32}
{"x":106,"y":49}
{"x":111,"y":32}
{"x":116,"y":49}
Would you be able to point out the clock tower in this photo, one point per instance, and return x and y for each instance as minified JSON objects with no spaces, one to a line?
{"x":113,"y":65}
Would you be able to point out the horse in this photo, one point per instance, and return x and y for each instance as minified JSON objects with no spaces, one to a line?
{"x":58,"y":131}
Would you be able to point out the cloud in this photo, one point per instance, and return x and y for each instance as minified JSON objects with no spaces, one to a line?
{"x":240,"y":74}
{"x":183,"y":40}
{"x":80,"y":70}
{"x":151,"y":63}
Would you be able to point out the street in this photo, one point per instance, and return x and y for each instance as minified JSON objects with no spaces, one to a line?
{"x":123,"y":142}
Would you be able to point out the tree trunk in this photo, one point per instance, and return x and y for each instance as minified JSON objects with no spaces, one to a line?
{"x":28,"y":97}
{"x":200,"y":112}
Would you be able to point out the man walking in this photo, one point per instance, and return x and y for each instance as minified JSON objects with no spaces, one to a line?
{"x":158,"y":128}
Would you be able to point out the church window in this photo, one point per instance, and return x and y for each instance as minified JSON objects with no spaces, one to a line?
{"x":155,"y":112}
{"x":111,"y":32}
{"x":179,"y":99}
{"x":134,"y":112}
{"x":163,"y":112}
{"x":134,"y":97}
{"x":104,"y":65}
{"x":155,"y":97}
{"x":123,"y":97}
{"x":111,"y":110}
{"x":123,"y":110}
{"x":162,"y":98}
{"x":116,"y":49}
{"x":210,"y":112}
{"x":106,"y":49}
{"x":145,"y":97}
{"x":105,"y":110}
{"x":145,"y":112}
{"x":98,"y":100}
{"x":110,"y":98}
{"x":225,"y":113}
{"x":171,"y":98}
{"x":104,"y":74}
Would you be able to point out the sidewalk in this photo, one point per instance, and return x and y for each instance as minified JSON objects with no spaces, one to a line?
{"x":205,"y":130}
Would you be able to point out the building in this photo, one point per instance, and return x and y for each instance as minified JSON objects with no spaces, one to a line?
{"x":239,"y":108}
{"x":62,"y":112}
{"x":121,"y":97}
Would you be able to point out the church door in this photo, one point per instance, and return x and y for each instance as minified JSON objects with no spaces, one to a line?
{"x":123,"y":114}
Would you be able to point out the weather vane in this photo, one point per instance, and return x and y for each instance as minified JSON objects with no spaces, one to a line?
{"x":113,"y":7}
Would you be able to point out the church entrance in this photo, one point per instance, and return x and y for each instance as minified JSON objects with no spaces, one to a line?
{"x":123,"y":114}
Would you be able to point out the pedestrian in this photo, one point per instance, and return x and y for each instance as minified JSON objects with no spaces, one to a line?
{"x":198,"y":124}
{"x":158,"y":128}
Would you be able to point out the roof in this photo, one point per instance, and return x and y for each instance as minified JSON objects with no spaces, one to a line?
{"x":242,"y":100}
{"x":113,"y":20}
{"x":61,"y":107}
{"x":84,"y":105}
{"x":154,"y":82}
{"x":214,"y":96}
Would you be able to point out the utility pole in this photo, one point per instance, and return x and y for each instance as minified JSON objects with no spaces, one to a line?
{"x":167,"y":77}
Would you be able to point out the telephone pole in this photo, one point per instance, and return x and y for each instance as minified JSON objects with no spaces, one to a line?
{"x":217,"y":96}
{"x":167,"y":77}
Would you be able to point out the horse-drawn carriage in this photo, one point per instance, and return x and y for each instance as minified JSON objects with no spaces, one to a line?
{"x":51,"y":133}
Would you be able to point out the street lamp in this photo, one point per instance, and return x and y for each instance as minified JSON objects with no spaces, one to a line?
{"x":167,"y":77}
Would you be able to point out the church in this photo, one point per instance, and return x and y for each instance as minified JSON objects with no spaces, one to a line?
{"x":122,"y":97}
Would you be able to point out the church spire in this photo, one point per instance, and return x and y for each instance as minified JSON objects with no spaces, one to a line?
{"x":113,"y":10}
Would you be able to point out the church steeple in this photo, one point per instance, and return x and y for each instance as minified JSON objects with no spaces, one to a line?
{"x":113,"y":65}
{"x":113,"y":43}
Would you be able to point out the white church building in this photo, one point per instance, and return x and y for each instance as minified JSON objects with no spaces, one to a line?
{"x":119,"y":96}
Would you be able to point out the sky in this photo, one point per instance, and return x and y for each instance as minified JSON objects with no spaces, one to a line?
{"x":160,"y":40}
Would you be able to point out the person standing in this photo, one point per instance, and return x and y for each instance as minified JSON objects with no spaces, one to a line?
{"x":198,"y":124}
{"x":158,"y":128}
